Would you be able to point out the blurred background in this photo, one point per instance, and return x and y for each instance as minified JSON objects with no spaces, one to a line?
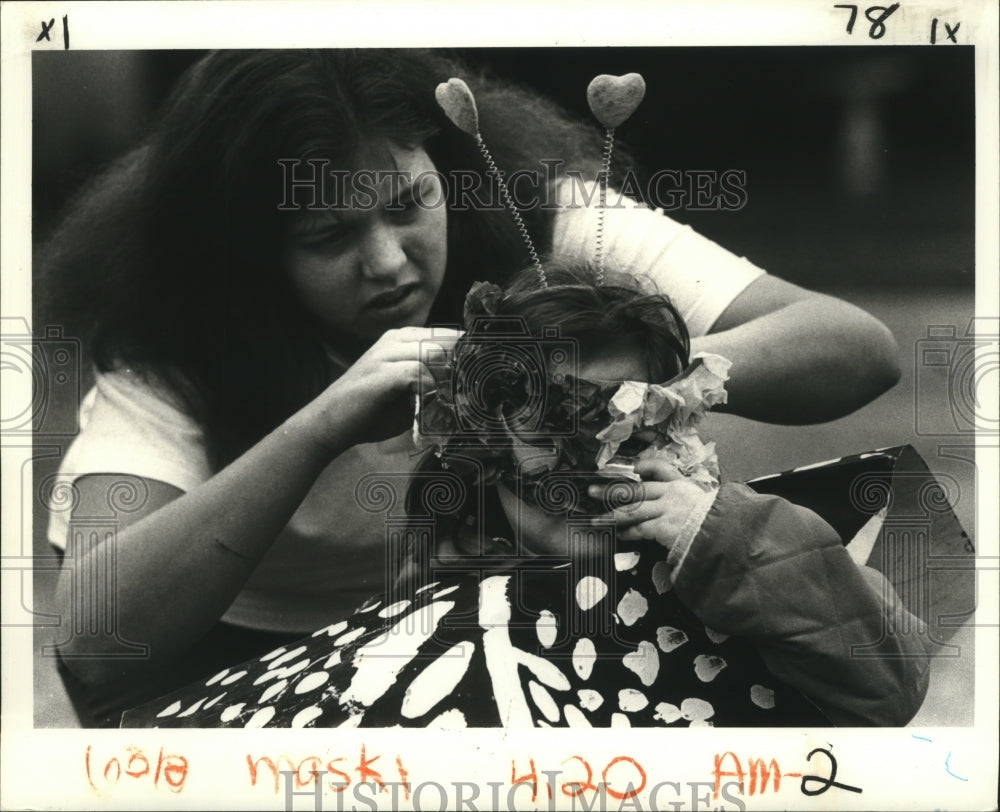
{"x":860,"y":182}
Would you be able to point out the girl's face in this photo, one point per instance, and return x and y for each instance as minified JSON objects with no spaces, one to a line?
{"x":542,"y":533}
{"x":376,"y":261}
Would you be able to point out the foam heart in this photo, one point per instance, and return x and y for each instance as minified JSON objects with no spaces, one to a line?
{"x":458,"y":104}
{"x":613,"y":99}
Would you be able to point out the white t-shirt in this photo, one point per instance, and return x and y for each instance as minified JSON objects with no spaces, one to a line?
{"x":331,"y":555}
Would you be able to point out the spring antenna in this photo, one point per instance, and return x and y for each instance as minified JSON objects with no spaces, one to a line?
{"x":612,"y":100}
{"x":491,"y":169}
{"x":609,"y":143}
{"x":456,"y":100}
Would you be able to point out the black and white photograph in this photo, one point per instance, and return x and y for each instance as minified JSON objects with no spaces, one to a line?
{"x":456,"y":390}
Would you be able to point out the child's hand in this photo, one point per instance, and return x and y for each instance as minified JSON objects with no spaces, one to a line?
{"x":663,"y":504}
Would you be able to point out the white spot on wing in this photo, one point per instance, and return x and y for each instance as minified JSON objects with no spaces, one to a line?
{"x":261,"y":717}
{"x":170,"y":710}
{"x":625,"y":561}
{"x":294,"y":668}
{"x":266,"y":676}
{"x":644,"y":662}
{"x":350,"y":637}
{"x":332,"y":630}
{"x":233,"y":678}
{"x":668,"y":638}
{"x":370,"y":607}
{"x":394,"y":609}
{"x":584,"y":655}
{"x":194,"y":708}
{"x":305,"y":716}
{"x":667,"y":713}
{"x":272,"y":691}
{"x":696,"y":710}
{"x":287,"y":656}
{"x":310,"y":682}
{"x":632,"y":606}
{"x":231,"y":712}
{"x":631,"y":700}
{"x":707,"y":668}
{"x":590,"y":591}
{"x":762,"y":697}
{"x":546,"y":628}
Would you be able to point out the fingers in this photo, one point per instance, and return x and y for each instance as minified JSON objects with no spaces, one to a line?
{"x":657,"y":470}
{"x":641,"y":531}
{"x":631,"y":514}
{"x":445,"y":336}
{"x":625,"y":491}
{"x":420,"y":343}
{"x":407,"y":375}
{"x":417,"y":377}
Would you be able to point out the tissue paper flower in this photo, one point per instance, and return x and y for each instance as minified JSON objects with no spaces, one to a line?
{"x":665,"y":418}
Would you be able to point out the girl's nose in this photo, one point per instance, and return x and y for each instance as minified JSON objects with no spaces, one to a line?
{"x":382,"y":252}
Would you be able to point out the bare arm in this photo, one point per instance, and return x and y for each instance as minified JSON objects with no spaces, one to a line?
{"x":181,"y":559}
{"x":800,"y":357}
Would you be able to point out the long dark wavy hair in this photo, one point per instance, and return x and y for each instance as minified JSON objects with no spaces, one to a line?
{"x":170,"y":261}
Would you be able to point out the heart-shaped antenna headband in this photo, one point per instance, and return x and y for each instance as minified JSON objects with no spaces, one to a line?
{"x":612,"y":100}
{"x":459,"y":105}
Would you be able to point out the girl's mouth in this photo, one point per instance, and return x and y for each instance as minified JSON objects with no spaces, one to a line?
{"x":391,"y":298}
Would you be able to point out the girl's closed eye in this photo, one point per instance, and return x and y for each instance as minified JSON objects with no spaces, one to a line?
{"x":404,"y":209}
{"x":425,"y":193}
{"x":322,"y":234}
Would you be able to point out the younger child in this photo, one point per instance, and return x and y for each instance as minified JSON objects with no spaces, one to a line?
{"x":728,"y":563}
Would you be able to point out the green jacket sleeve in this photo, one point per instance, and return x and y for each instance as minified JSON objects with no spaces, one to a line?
{"x":775,"y":573}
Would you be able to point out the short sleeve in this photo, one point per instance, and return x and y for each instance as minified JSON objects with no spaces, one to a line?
{"x":129,"y":427}
{"x":701,"y":277}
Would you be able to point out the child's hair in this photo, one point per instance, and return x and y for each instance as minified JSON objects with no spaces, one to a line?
{"x":621,"y":312}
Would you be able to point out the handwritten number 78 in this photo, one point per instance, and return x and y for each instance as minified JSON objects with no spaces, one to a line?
{"x":876,"y":15}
